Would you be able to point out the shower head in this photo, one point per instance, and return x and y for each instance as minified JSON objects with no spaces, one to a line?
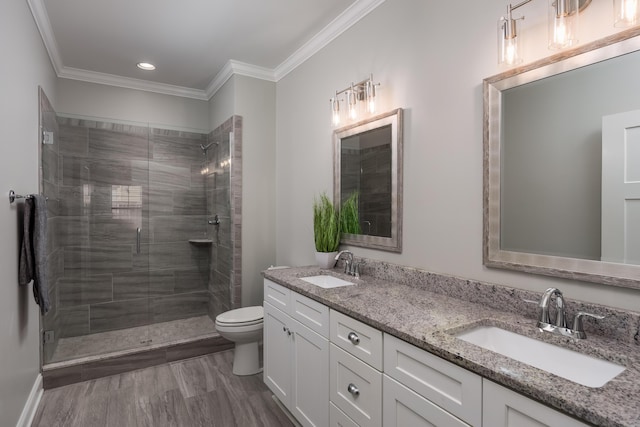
{"x":206,"y":147}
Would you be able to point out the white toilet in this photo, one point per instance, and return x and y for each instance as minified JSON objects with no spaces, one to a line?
{"x":243,"y":326}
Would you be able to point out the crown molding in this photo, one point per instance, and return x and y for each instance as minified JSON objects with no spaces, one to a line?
{"x":241,"y":68}
{"x":354,"y":13}
{"x":39,"y":13}
{"x":342,"y":23}
{"x":131,"y":83}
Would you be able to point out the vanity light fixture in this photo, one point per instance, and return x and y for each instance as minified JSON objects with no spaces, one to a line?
{"x":364,"y":91}
{"x":146,"y":66}
{"x":563,"y":28}
{"x":625,"y":13}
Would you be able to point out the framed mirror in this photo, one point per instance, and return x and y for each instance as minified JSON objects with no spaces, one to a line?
{"x":367,"y":181}
{"x":562,"y":164}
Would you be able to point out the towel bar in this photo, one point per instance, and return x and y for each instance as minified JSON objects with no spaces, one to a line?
{"x":13,"y":196}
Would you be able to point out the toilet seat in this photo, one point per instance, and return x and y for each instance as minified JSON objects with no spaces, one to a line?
{"x":246,"y":316}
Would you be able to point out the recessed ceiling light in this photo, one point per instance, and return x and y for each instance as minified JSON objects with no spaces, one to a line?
{"x":146,"y":66}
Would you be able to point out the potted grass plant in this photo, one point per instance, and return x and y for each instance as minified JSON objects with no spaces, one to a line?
{"x":326,"y":231}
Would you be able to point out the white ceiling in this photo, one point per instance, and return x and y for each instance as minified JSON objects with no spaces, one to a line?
{"x":195,"y":44}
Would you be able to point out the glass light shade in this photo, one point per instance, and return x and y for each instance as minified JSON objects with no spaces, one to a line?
{"x":352,"y":104}
{"x":371,"y":97}
{"x":563,"y":23}
{"x":508,"y":43}
{"x":335,"y":111}
{"x":625,"y":13}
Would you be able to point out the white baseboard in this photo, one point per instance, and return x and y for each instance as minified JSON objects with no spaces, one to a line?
{"x":31,"y":405}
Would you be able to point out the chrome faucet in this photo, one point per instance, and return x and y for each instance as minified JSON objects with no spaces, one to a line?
{"x":545,"y":300}
{"x":350,"y":267}
{"x":560,"y":326}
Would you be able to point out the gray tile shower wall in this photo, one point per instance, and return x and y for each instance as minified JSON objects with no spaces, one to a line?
{"x":223,"y":198}
{"x":106,"y":180}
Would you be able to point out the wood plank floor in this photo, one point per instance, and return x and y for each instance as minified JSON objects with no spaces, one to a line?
{"x":195,"y":392}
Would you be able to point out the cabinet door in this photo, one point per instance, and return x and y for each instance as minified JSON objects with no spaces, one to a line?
{"x":277,"y":353}
{"x":502,"y":407}
{"x":310,"y":391}
{"x":403,"y":407}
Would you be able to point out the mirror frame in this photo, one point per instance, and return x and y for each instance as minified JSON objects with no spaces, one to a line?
{"x":393,"y":118}
{"x":608,"y":273}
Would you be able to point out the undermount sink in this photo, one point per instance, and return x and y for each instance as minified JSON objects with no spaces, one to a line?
{"x":326,"y":281}
{"x":571,"y":365}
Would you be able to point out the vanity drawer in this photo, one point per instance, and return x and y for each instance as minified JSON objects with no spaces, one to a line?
{"x":451,"y":387}
{"x":310,"y":313}
{"x":277,"y":295}
{"x":337,"y":418}
{"x":403,"y":407}
{"x":356,"y":338}
{"x":355,"y":388}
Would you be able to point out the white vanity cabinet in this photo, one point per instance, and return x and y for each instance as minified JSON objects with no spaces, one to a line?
{"x":296,"y":353}
{"x":330,"y":369}
{"x":505,"y":408}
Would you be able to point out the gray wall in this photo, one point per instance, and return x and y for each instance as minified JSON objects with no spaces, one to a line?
{"x":166,"y":111}
{"x":25,"y":66}
{"x":438,"y":80}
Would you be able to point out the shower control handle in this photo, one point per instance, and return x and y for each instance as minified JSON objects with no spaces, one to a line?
{"x":138,"y":231}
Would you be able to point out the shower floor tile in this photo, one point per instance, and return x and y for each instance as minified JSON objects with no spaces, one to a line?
{"x":132,"y":338}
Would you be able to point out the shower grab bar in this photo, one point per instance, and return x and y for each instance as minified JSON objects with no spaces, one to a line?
{"x":138,"y":230}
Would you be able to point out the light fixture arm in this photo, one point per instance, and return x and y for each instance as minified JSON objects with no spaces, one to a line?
{"x":522,"y":3}
{"x":360,"y":87}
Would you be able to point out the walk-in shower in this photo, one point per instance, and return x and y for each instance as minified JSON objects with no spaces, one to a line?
{"x":130,"y":259}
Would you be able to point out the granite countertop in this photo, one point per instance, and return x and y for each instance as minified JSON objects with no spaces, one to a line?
{"x":427,"y":320}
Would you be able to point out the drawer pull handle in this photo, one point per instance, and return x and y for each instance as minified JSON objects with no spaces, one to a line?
{"x":287,"y":330}
{"x":354,"y":338}
{"x":353,"y":390}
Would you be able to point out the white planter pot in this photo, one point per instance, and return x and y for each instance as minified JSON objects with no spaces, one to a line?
{"x":326,"y":259}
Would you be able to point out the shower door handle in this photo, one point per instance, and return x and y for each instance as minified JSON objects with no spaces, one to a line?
{"x":138,"y":231}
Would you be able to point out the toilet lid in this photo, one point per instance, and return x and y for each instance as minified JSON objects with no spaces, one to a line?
{"x":242,"y":315}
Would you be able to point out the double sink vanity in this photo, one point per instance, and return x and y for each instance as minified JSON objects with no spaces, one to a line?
{"x":400,"y":347}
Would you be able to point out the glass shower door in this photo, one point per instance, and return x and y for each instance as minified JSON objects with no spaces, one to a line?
{"x":98,"y":236}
